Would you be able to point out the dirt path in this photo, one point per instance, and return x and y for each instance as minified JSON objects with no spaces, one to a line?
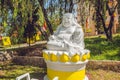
{"x":103,"y":75}
{"x":97,"y":75}
{"x":25,"y":45}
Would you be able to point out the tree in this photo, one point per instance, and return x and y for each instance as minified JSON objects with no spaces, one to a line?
{"x":55,"y":6}
{"x":41,"y":2}
{"x":84,"y":10}
{"x":101,"y":7}
{"x":14,"y":15}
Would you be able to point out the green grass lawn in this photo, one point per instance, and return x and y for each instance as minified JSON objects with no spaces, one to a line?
{"x":10,"y":72}
{"x":102,"y":49}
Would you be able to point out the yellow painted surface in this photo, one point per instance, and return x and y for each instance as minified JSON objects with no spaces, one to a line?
{"x":114,"y":14}
{"x":53,"y":57}
{"x":46,"y":56}
{"x":6,"y":41}
{"x":88,"y":55}
{"x":62,"y":75}
{"x":75,"y":58}
{"x":37,"y":37}
{"x":88,"y":30}
{"x":84,"y":57}
{"x":32,"y":40}
{"x":64,"y":58}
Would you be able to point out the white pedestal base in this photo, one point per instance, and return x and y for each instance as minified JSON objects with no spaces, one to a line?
{"x":86,"y":78}
{"x":46,"y":78}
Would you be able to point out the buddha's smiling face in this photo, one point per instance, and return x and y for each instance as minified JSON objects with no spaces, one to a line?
{"x":67,"y":20}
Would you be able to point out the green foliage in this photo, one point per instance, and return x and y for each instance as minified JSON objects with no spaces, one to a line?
{"x":14,"y":40}
{"x":55,"y":21}
{"x":10,"y":72}
{"x":15,"y":12}
{"x":20,"y":36}
{"x":41,"y":19}
{"x":102,"y":49}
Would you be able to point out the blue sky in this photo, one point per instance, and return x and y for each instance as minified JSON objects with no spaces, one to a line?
{"x":57,"y":2}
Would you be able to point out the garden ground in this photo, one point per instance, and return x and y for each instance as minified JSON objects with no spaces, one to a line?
{"x":10,"y":72}
{"x":100,"y":50}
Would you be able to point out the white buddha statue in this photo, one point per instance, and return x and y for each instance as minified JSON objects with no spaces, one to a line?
{"x":65,"y":54}
{"x":68,"y":37}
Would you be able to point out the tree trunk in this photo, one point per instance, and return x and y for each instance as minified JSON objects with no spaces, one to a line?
{"x":108,"y":31}
{"x":104,"y":26}
{"x":111,"y":13}
{"x":41,"y":2}
{"x":102,"y":19}
{"x":71,"y":6}
{"x":66,"y":5}
{"x":60,"y":11}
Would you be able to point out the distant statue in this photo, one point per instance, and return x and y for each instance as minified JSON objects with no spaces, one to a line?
{"x":69,"y":36}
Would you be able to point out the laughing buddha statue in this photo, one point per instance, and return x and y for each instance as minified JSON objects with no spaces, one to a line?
{"x":68,"y":37}
{"x":66,"y":56}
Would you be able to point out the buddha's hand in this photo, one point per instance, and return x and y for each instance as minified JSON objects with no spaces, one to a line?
{"x":66,"y":42}
{"x":52,"y":37}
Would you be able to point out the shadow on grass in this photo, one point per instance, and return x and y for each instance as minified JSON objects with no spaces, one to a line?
{"x":11,"y":71}
{"x":33,"y":75}
{"x":99,"y":46}
{"x":114,"y":56}
{"x":37,"y":75}
{"x":7,"y":78}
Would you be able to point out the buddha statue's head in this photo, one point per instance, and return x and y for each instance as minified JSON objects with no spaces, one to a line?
{"x":68,"y":19}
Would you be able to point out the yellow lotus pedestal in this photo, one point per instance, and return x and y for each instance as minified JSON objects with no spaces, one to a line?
{"x":62,"y":66}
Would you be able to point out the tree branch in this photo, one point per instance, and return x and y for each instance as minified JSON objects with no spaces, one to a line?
{"x":41,"y":2}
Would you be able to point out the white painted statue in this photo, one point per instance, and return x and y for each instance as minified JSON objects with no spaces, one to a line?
{"x":69,"y":36}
